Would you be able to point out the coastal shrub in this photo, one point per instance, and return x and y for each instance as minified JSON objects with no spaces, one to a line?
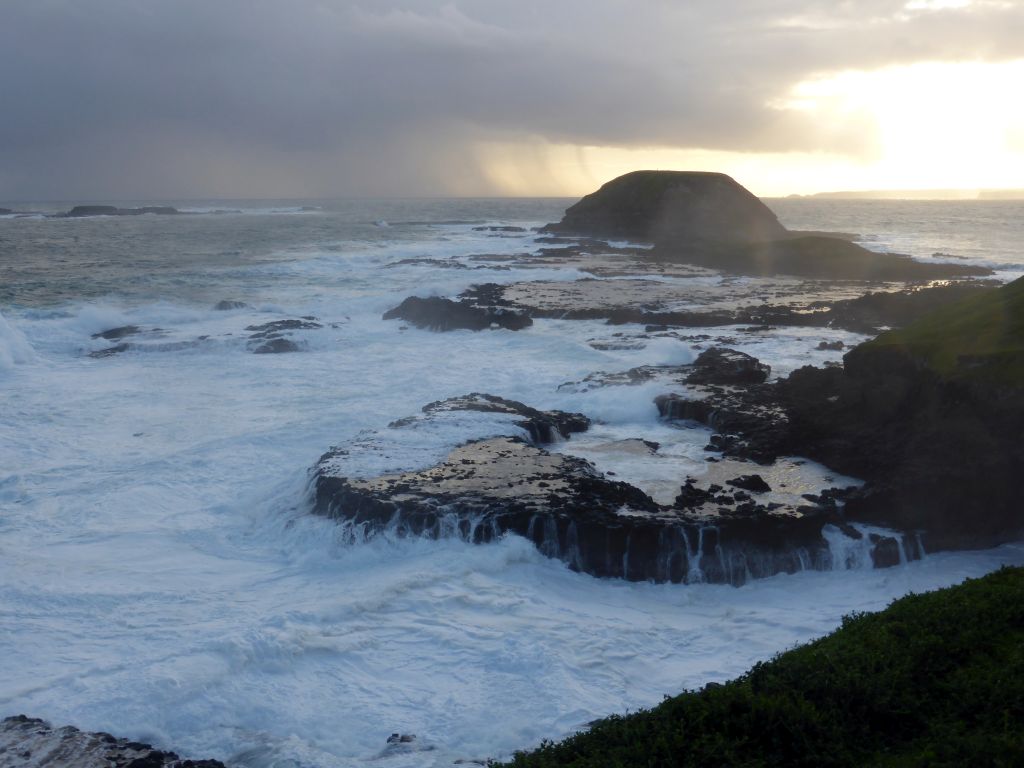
{"x":936,"y":679}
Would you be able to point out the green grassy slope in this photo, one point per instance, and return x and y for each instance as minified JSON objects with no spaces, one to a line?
{"x":934,"y":680}
{"x":981,"y":337}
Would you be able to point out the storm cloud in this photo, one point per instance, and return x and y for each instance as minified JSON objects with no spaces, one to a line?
{"x":158,"y":98}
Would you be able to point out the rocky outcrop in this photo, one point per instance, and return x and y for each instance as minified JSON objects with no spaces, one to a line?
{"x":541,"y":426}
{"x":497,"y":484}
{"x":666,"y":206}
{"x":930,"y":417}
{"x":81,"y":211}
{"x":31,"y":743}
{"x":709,"y":220}
{"x":438,"y":314}
{"x":727,"y":366}
{"x":273,"y":337}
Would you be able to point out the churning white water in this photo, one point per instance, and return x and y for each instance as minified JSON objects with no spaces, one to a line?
{"x":162,"y":579}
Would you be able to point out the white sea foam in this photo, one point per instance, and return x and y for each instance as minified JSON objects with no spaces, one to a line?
{"x":14,"y":347}
{"x":161,"y":578}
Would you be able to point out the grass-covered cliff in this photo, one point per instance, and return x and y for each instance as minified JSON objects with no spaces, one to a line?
{"x":934,"y":680}
{"x":979,"y":339}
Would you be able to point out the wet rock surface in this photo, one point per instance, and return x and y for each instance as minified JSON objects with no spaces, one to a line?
{"x":226,"y":305}
{"x":542,"y":426}
{"x":694,"y":302}
{"x":727,"y":366}
{"x":499,"y":484}
{"x":438,"y":314}
{"x":939,"y":456}
{"x":274,"y":337}
{"x":31,"y":743}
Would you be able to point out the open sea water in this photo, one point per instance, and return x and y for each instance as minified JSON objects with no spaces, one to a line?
{"x":160,"y":574}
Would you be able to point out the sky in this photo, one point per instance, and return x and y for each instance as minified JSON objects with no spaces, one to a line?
{"x":164,"y":99}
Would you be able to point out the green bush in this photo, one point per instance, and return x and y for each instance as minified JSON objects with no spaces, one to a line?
{"x":934,"y":680}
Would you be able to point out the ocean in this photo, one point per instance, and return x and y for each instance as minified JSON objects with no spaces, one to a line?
{"x":162,"y":578}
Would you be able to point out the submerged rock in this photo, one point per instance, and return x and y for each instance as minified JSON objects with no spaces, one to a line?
{"x":438,"y":314}
{"x":276,"y":346}
{"x":34,"y":743}
{"x":272,"y":337}
{"x":111,"y":334}
{"x":228,"y":304}
{"x":110,"y":351}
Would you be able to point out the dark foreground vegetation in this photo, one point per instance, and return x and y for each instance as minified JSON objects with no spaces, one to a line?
{"x":934,"y":680}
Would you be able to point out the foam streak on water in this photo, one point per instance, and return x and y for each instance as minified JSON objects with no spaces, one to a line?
{"x":160,"y":577}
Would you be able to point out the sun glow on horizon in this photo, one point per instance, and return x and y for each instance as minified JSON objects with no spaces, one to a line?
{"x":937,"y":125}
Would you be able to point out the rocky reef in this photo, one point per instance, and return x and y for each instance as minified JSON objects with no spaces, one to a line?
{"x":27,"y":742}
{"x":505,"y":480}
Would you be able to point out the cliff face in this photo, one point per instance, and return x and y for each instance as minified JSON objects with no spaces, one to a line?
{"x":660,"y":206}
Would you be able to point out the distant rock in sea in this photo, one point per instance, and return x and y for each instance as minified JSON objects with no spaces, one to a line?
{"x":709,"y":220}
{"x":82,"y":211}
{"x":662,"y":206}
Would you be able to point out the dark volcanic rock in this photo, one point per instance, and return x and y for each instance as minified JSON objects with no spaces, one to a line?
{"x":503,"y":228}
{"x":936,"y":439}
{"x":112,"y":334}
{"x":660,"y":206}
{"x":754,"y":483}
{"x":834,"y":346}
{"x":272,"y":337}
{"x":498,"y":484}
{"x":276,"y":327}
{"x":32,"y":742}
{"x":542,"y":426}
{"x":727,"y":366}
{"x":276,"y":346}
{"x":228,"y":304}
{"x":110,"y":351}
{"x":437,"y":314}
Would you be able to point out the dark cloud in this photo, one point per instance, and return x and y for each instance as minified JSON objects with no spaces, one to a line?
{"x":258,"y":97}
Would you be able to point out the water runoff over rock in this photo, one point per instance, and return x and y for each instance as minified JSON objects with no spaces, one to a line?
{"x":162,"y":577}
